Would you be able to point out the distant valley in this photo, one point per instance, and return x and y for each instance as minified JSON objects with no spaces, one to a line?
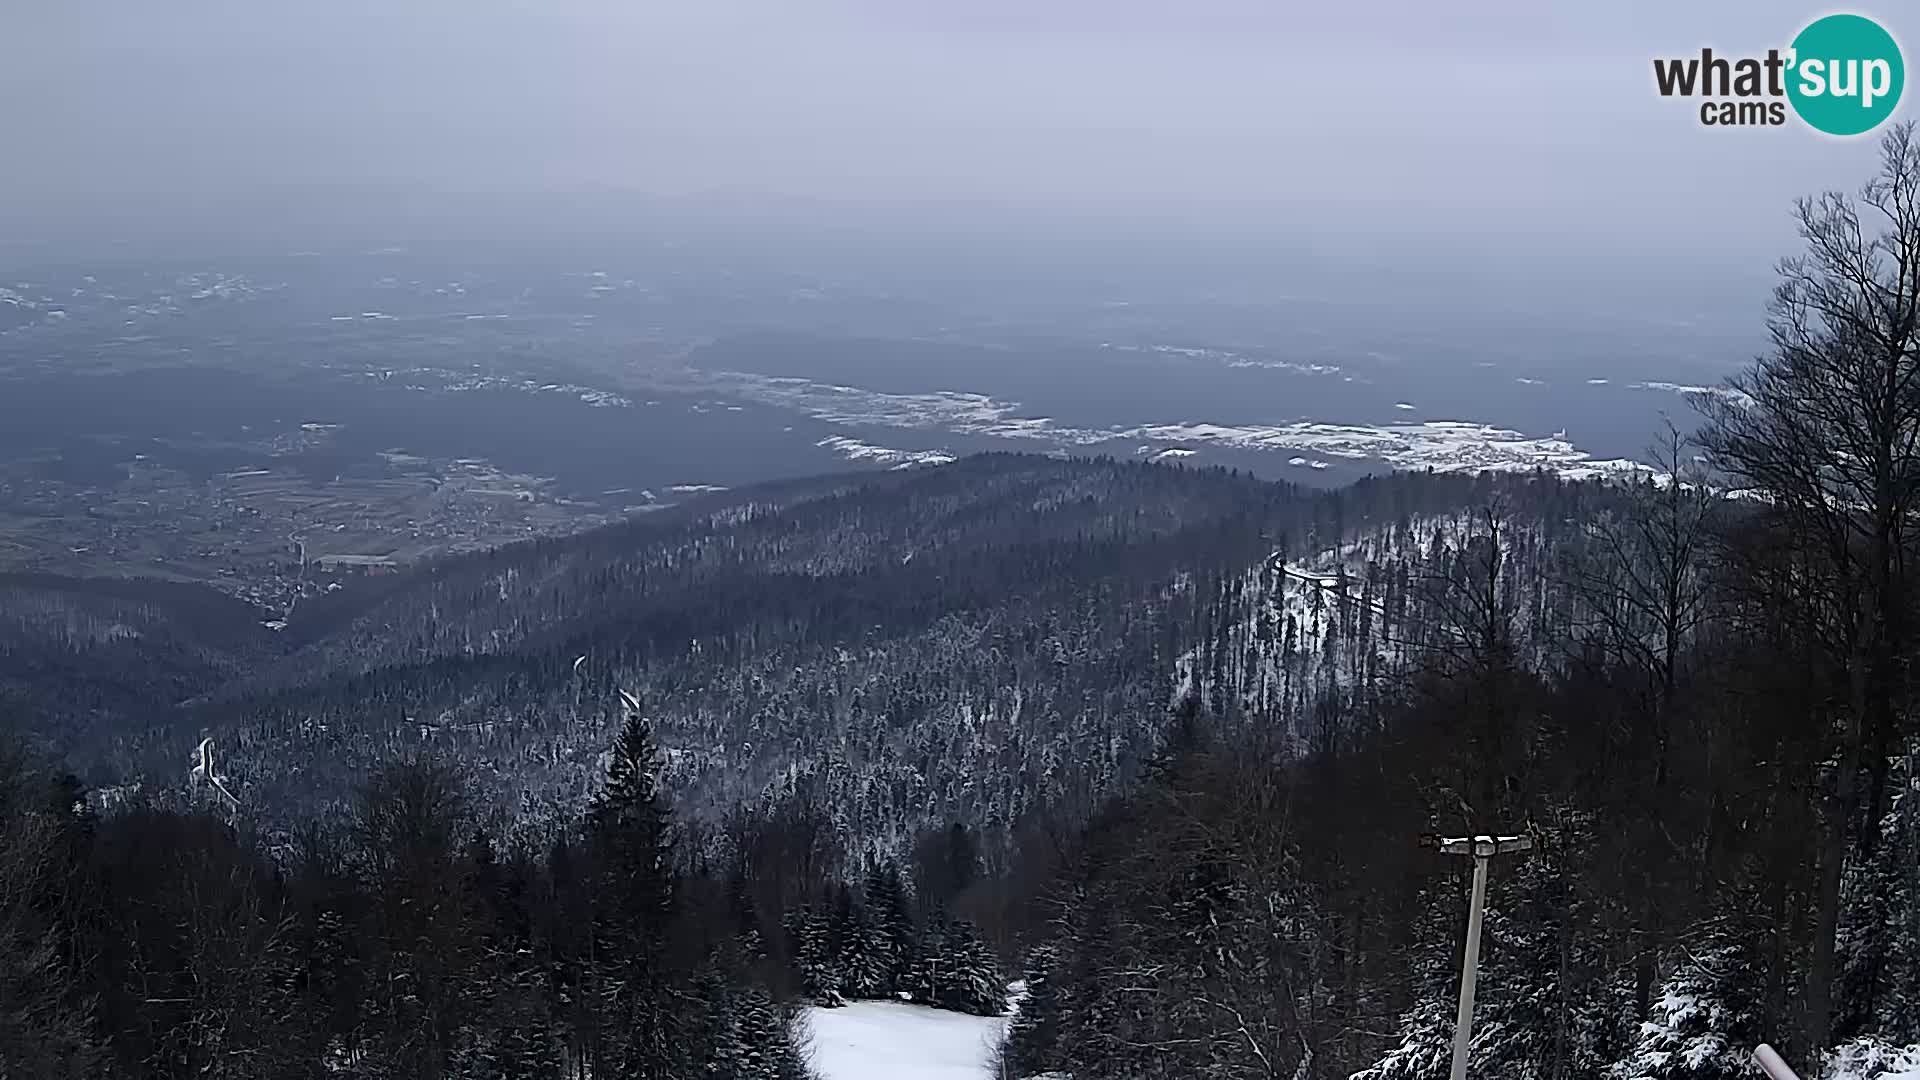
{"x":263,"y":424}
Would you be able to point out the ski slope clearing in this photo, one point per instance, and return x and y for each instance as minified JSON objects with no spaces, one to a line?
{"x":891,"y":1040}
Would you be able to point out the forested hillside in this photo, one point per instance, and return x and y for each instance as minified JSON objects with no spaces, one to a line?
{"x":884,"y":709}
{"x":82,"y":660}
{"x":874,"y":701}
{"x":969,"y":643}
{"x":1696,"y":700}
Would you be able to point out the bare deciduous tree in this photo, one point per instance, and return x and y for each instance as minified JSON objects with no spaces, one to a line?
{"x":1824,"y":430}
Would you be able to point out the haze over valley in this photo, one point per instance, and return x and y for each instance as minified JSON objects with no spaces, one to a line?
{"x":213,"y":418}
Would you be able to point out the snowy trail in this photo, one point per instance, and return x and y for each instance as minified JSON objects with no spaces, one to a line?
{"x":889,"y":1040}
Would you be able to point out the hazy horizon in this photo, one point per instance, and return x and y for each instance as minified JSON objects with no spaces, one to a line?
{"x":1506,"y":130}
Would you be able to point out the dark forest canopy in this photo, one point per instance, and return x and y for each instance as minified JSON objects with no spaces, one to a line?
{"x":823,"y":637}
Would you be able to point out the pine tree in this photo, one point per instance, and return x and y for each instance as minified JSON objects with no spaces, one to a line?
{"x":736,"y":1028}
{"x":970,"y":978}
{"x":946,"y":864}
{"x":888,"y":909}
{"x":512,"y":1034}
{"x":634,"y":905}
{"x":1702,"y":1026}
{"x":715,"y":1026}
{"x":766,"y":1035}
{"x":750,"y":940}
{"x":813,"y":958}
{"x":928,"y":967}
{"x":1879,"y":943}
{"x":45,"y":1023}
{"x":866,"y":957}
{"x":410,"y":823}
{"x":1425,"y":1051}
{"x":630,"y":824}
{"x":1033,"y":1036}
{"x":1426,"y":1029}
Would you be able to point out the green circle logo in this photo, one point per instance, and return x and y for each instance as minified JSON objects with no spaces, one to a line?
{"x":1846,"y":74}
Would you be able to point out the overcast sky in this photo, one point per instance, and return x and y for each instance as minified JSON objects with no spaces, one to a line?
{"x":1531,"y":120}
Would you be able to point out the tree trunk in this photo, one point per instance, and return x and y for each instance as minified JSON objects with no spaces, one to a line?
{"x":1841,"y":805}
{"x":1773,"y":1009}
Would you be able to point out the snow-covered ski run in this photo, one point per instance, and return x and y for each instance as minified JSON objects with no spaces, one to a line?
{"x":893,"y":1040}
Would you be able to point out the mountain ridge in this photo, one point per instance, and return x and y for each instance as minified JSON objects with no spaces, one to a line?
{"x":970,"y":641}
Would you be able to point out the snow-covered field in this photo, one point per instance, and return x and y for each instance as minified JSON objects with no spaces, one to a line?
{"x":888,"y":1040}
{"x":1446,"y":445}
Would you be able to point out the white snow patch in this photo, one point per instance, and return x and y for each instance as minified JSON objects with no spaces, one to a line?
{"x":855,"y":450}
{"x":1873,"y":1058}
{"x":1284,"y":365}
{"x":599,"y":399}
{"x":890,"y":1040}
{"x":1738,"y":397}
{"x":1403,"y":405}
{"x":1181,"y":350}
{"x":1596,"y":382}
{"x":1444,"y":445}
{"x":1227,"y":357}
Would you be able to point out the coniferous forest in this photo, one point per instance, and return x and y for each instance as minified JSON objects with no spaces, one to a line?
{"x":1159,"y":743}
